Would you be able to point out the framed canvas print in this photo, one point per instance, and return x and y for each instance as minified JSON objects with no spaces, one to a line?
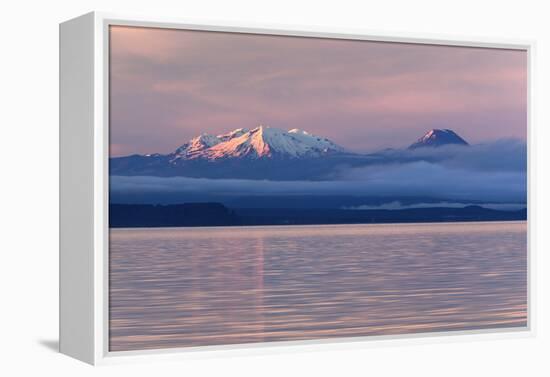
{"x":225,"y":186}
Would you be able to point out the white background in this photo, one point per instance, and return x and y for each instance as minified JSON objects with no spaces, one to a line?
{"x":29,"y":187}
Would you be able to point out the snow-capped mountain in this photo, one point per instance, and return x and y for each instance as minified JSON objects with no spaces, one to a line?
{"x":268,"y":153}
{"x":258,"y":153}
{"x":260,"y":142}
{"x":437,"y":138}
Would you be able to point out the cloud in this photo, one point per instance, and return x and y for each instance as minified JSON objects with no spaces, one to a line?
{"x":415,"y":179}
{"x":499,"y":155}
{"x":493,"y":172}
{"x":438,"y":204}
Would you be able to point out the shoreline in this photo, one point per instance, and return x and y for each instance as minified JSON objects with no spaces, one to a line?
{"x":326,"y":225}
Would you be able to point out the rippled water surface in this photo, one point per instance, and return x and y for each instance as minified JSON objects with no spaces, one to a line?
{"x":179,"y":287}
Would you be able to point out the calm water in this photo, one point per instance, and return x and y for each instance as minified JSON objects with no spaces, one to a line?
{"x":178,"y":287}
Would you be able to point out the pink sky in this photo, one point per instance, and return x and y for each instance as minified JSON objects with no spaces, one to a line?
{"x":168,"y":86}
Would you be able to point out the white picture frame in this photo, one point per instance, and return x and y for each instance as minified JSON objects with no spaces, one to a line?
{"x":84,"y":150}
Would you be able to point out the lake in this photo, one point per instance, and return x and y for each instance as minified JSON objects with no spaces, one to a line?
{"x":182,"y":287}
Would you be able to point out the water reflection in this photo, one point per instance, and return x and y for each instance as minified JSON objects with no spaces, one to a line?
{"x":202,"y":286}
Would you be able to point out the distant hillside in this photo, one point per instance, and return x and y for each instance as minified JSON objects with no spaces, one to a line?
{"x":216,"y":214}
{"x":190,"y":214}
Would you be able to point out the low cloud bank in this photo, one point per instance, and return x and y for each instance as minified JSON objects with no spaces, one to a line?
{"x":398,"y":205}
{"x":424,"y":178}
{"x":499,"y":155}
{"x":491,"y":173}
{"x":414,"y":179}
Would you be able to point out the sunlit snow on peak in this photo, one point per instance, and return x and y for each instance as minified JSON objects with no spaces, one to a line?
{"x":260,"y":142}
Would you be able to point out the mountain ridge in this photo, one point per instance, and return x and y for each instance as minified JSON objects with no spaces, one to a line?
{"x":438,"y":137}
{"x":259,"y":142}
{"x":266,"y":153}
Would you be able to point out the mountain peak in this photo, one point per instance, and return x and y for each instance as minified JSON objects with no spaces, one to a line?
{"x":232,"y":134}
{"x":197,"y":144}
{"x":438,"y":137}
{"x":260,"y":142}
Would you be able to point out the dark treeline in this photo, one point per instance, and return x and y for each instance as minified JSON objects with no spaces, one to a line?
{"x":216,"y":214}
{"x":189,"y":214}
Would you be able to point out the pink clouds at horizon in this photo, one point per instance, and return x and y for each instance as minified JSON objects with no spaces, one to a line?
{"x":168,"y":86}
